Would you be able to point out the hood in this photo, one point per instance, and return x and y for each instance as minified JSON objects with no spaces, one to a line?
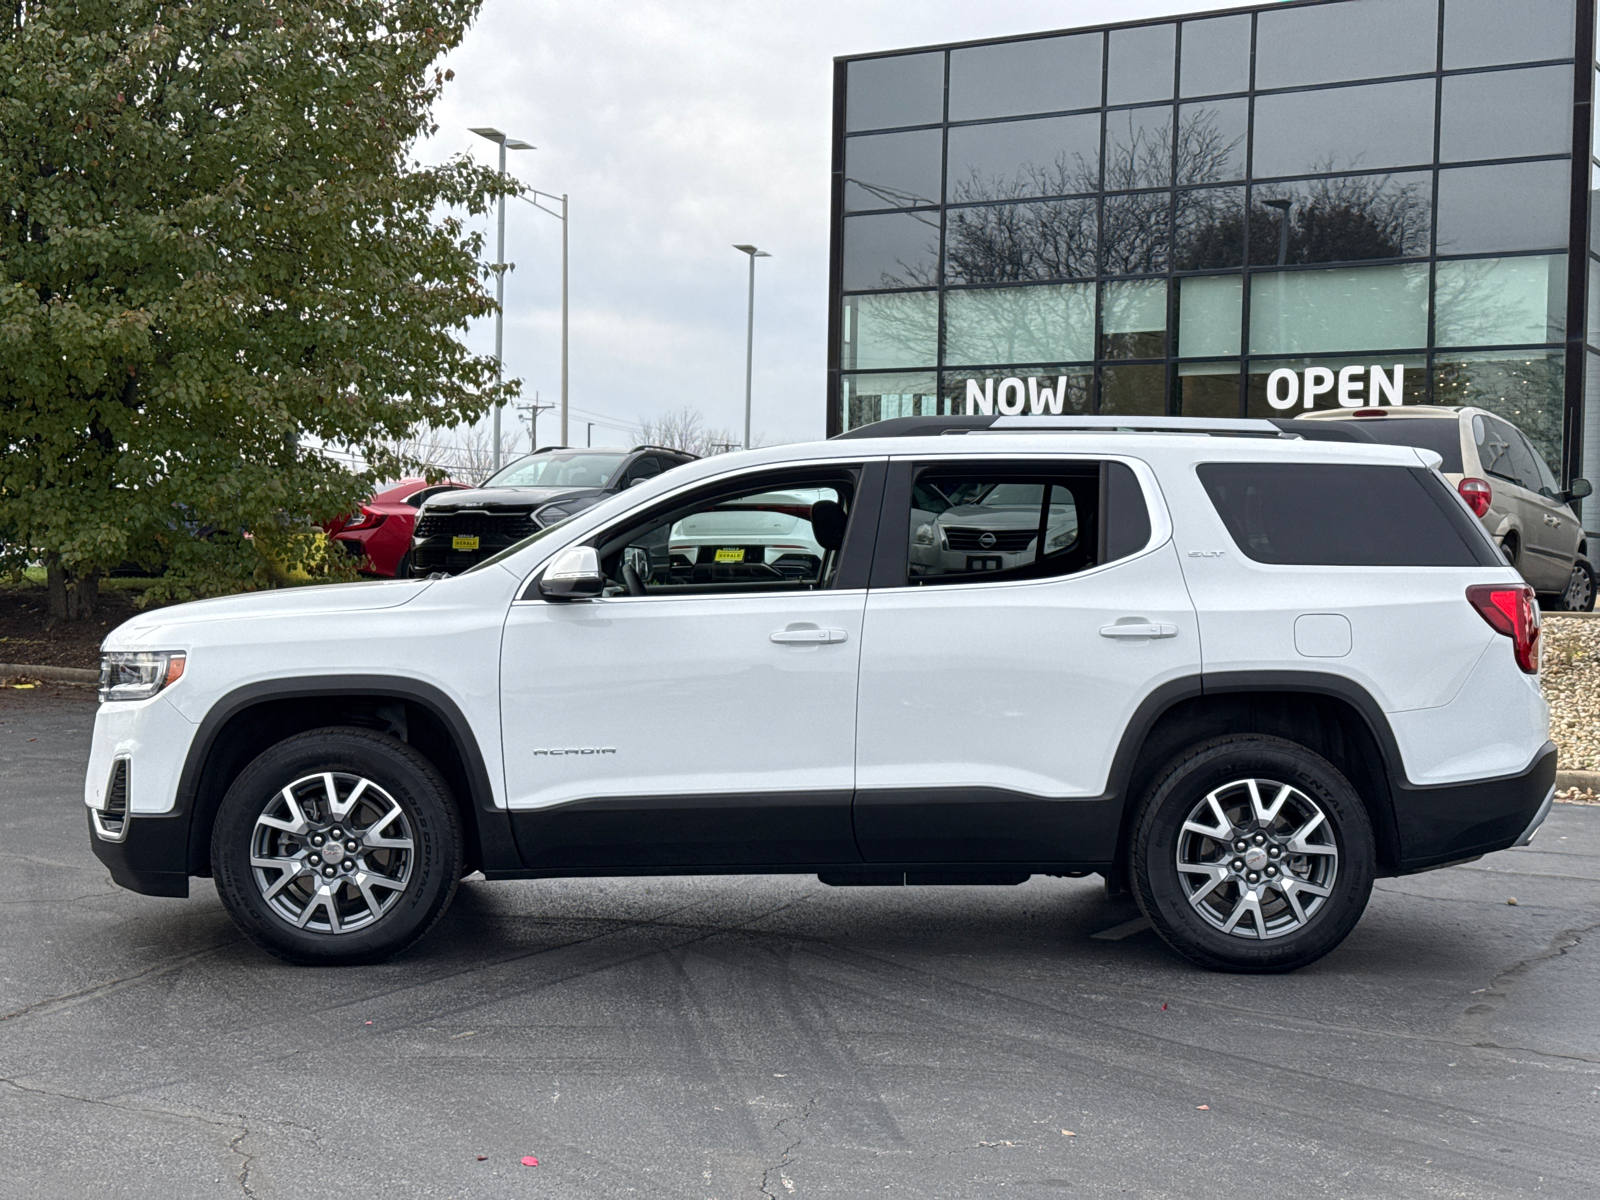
{"x":975,"y":516}
{"x":504,"y":499}
{"x":285,"y":602}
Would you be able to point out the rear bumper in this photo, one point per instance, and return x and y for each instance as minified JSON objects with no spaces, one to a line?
{"x":1450,"y":822}
{"x":151,"y":857}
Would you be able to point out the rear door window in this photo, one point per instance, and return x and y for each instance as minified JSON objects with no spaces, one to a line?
{"x":1345,"y":515}
{"x":980,"y":522}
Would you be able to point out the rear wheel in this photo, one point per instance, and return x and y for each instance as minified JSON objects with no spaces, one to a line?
{"x":337,"y":846}
{"x":402,"y":569}
{"x":1251,"y":853}
{"x":1579,"y":593}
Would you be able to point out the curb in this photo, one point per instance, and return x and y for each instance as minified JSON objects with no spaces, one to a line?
{"x":1587,"y":781}
{"x":54,"y":674}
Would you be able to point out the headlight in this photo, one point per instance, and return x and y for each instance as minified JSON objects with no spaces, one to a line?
{"x":924,"y":536}
{"x":551,"y":513}
{"x":138,"y":674}
{"x":1057,"y":541}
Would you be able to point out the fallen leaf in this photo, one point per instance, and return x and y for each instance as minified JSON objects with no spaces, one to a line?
{"x":1511,"y":900}
{"x":1202,"y":1108}
{"x":1163,"y":1008}
{"x":369,"y":1022}
{"x":483,"y":1158}
{"x":530,"y":1161}
{"x":1068,"y":1133}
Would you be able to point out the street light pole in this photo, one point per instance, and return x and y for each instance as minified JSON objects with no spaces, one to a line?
{"x":750,"y":334}
{"x":562,"y":217}
{"x":494,"y":135}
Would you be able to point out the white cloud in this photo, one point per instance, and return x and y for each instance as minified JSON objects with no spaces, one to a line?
{"x":680,"y":127}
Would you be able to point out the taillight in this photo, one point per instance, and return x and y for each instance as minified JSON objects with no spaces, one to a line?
{"x":366,"y":520}
{"x":1477,"y":493}
{"x":1511,"y":609}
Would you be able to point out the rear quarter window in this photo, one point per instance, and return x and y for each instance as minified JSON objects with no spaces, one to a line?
{"x":1345,"y":515}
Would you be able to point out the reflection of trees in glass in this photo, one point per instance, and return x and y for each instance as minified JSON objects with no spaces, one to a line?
{"x":899,"y":329}
{"x":1020,"y":325}
{"x":1525,"y":389}
{"x":1015,"y":243}
{"x":1341,"y":220}
{"x":1499,"y":301}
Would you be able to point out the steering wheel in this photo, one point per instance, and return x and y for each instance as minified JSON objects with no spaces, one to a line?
{"x":631,"y":578}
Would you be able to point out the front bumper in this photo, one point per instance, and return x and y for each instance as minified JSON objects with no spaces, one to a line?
{"x":436,"y":554}
{"x":1455,"y":821}
{"x":152,"y":855}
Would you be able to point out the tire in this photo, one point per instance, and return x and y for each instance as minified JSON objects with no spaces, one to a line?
{"x":1579,"y":594}
{"x":402,"y":569}
{"x":1209,"y":786}
{"x":328,"y":905}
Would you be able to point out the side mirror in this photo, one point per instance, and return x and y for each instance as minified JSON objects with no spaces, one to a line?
{"x":633,"y":483}
{"x":1577,"y":489}
{"x":573,"y":575}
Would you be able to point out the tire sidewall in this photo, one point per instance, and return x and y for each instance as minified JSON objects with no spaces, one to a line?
{"x":1183,"y":785}
{"x":393,"y":766}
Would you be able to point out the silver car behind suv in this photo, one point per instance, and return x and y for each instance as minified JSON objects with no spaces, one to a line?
{"x":1507,"y":483}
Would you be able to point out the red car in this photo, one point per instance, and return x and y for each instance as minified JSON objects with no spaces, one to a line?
{"x":381,"y":532}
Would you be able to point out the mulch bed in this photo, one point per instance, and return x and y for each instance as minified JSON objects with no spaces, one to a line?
{"x":24,"y":639}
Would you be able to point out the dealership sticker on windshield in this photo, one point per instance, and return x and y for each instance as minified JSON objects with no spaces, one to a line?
{"x":734,"y":555}
{"x":463,"y":543}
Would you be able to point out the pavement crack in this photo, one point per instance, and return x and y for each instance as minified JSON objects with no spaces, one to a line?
{"x":786,"y":1156}
{"x":1502,"y":985}
{"x":236,"y":1146}
{"x":40,"y":1008}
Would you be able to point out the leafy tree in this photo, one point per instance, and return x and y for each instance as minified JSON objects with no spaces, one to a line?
{"x":215,"y":254}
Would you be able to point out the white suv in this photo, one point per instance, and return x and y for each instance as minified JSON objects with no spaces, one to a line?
{"x":1259,"y":671}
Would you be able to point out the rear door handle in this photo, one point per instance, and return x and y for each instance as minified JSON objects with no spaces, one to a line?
{"x":809,"y":637}
{"x":1140,"y":630}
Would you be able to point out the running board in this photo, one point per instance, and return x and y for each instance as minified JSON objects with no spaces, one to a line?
{"x":884,"y":878}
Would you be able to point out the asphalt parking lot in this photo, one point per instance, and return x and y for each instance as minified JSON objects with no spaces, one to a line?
{"x":743,"y":1037}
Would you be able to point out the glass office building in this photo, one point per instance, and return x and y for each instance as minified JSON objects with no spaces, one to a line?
{"x":1235,"y":214}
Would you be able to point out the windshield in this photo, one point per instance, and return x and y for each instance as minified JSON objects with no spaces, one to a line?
{"x":558,"y":468}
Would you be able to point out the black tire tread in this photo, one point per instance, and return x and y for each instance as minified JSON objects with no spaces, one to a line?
{"x":371,"y":740}
{"x":1139,"y":874}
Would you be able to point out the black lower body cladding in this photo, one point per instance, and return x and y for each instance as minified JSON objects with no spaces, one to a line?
{"x":1453,"y":821}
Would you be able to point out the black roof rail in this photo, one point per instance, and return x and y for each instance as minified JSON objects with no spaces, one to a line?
{"x":1311,"y":431}
{"x":665,"y":450}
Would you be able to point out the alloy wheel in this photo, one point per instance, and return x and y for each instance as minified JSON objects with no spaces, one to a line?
{"x":332,"y":853}
{"x":1254,"y":867}
{"x":1580,"y":590}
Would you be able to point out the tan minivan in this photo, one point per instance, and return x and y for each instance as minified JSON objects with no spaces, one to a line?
{"x":1506,"y":482}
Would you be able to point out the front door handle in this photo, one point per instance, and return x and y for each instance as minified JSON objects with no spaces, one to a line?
{"x":1139,"y":630}
{"x":809,"y":637}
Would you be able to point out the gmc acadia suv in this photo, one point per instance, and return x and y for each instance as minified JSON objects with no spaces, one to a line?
{"x":1238,"y":672}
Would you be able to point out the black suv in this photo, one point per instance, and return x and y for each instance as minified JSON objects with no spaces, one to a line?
{"x":459,"y":528}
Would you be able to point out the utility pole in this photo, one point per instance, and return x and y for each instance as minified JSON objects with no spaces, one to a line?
{"x":494,"y":135}
{"x":533,"y":410}
{"x":750,"y":334}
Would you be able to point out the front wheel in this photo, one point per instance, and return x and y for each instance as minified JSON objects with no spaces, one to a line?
{"x":1251,"y":853}
{"x":337,"y":846}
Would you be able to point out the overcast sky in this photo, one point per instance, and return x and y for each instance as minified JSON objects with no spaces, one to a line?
{"x":680,"y":127}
